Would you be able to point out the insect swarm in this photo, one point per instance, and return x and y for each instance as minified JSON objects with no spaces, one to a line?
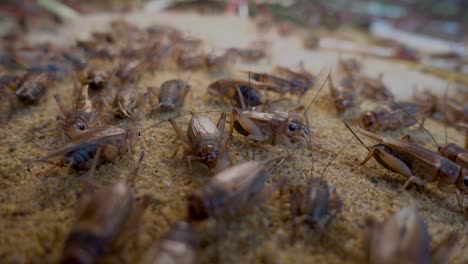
{"x":179,"y":246}
{"x":419,"y":164}
{"x":404,"y":238}
{"x":204,"y":141}
{"x":237,"y":188}
{"x":171,"y":96}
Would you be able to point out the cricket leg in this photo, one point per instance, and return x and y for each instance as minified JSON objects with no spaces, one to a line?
{"x":94,"y":163}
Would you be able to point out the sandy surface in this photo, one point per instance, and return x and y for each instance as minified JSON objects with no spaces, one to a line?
{"x":37,"y":202}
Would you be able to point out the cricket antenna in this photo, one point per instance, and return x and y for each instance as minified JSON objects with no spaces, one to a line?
{"x":445,"y":113}
{"x":410,"y":115}
{"x":248,"y":93}
{"x":336,"y":155}
{"x":318,"y":80}
{"x":134,"y":172}
{"x":349,"y":128}
{"x":185,"y":114}
{"x":75,"y":86}
{"x":281,"y":160}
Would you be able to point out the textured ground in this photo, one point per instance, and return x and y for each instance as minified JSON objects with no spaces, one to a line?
{"x":37,"y":202}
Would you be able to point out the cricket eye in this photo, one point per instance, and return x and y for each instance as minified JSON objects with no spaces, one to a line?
{"x":81,"y":127}
{"x":465,"y":181}
{"x":292,"y":127}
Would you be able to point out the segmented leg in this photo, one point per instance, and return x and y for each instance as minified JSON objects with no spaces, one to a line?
{"x":222,"y":124}
{"x":94,"y":163}
{"x":414,"y":179}
{"x":141,"y":105}
{"x":248,"y":125}
{"x":190,"y":158}
{"x":185,"y":141}
{"x":241,"y":98}
{"x":370,"y":154}
{"x":390,"y":160}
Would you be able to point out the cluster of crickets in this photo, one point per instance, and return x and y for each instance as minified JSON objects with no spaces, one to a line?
{"x":90,"y":139}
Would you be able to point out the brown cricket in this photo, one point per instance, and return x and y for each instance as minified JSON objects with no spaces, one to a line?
{"x":345,"y":94}
{"x":96,"y":79}
{"x":73,"y":122}
{"x":302,"y":80}
{"x":395,"y":115}
{"x":95,"y":146}
{"x":189,"y":61}
{"x":179,"y":246}
{"x":404,"y":238}
{"x":171,"y":96}
{"x":248,"y":54}
{"x":231,"y":191}
{"x":33,"y":88}
{"x":375,"y":88}
{"x":204,"y":141}
{"x":455,"y":153}
{"x":239,"y":93}
{"x":277,"y":84}
{"x":276,"y":127}
{"x":318,"y":205}
{"x":128,"y":102}
{"x":349,"y":66}
{"x":102,"y":217}
{"x":427,"y":97}
{"x":218,"y":62}
{"x":419,"y":164}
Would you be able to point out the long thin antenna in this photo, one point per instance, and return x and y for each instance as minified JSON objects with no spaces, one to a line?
{"x":445,"y":113}
{"x":134,"y":172}
{"x":250,"y":86}
{"x":186,"y":114}
{"x":356,"y":136}
{"x":320,"y":75}
{"x":336,"y":155}
{"x":79,"y":94}
{"x":410,"y":115}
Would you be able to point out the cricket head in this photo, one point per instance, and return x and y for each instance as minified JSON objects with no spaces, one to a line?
{"x":369,"y":120}
{"x":296,"y":129}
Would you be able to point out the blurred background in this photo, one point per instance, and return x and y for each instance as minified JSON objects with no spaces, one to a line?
{"x":444,"y":19}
